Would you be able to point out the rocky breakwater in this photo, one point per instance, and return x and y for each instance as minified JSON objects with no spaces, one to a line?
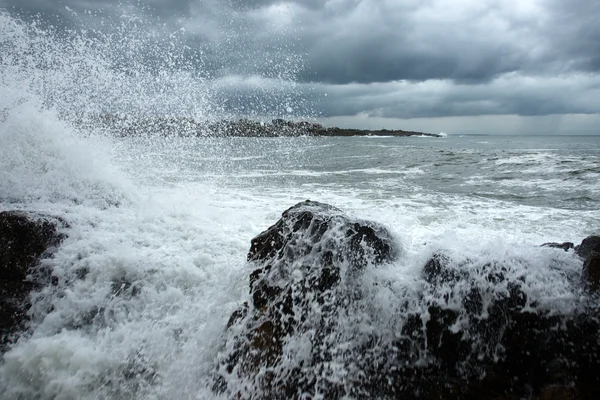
{"x":25,"y":238}
{"x":323,"y":323}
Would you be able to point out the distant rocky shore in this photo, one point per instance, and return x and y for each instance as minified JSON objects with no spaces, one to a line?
{"x":126,"y":126}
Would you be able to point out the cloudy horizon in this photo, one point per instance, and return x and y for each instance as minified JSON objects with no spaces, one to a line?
{"x":463,"y":67}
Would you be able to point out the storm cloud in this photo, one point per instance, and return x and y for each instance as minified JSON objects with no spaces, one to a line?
{"x":387,"y":59}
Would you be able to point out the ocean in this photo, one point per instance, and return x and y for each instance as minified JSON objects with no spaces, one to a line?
{"x":173,"y":217}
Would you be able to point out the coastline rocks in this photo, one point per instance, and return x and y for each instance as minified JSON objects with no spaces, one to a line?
{"x":189,"y":127}
{"x":24,"y":239}
{"x":322,"y":323}
{"x":497,"y":342}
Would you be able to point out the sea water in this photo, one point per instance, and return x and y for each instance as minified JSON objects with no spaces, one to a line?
{"x":159,"y":228}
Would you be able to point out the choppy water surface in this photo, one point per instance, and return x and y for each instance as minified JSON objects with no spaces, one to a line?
{"x":539,"y":171}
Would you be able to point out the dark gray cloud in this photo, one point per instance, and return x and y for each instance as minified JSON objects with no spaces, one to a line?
{"x":477,"y":41}
{"x":510,"y":94}
{"x":386,"y":58}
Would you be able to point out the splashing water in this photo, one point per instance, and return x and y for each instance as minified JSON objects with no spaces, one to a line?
{"x":154,"y":262}
{"x":132,"y":315}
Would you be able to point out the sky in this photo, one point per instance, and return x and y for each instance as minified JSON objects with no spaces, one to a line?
{"x":454,"y":66}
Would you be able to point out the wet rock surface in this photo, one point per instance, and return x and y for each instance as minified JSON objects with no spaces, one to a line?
{"x":309,"y":260}
{"x":566,"y":246}
{"x":588,"y":246}
{"x":471,"y":330}
{"x":589,"y":250}
{"x":506,"y":347}
{"x":24,"y":239}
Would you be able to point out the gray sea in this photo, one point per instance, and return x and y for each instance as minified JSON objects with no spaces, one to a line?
{"x":542,"y":171}
{"x":175,"y":216}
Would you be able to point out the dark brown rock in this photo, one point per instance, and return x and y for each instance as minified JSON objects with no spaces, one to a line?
{"x":589,"y":250}
{"x":306,"y":261}
{"x":566,"y":246}
{"x":558,"y":392}
{"x":514,"y":352}
{"x":24,"y":239}
{"x":591,"y":271}
{"x":588,"y":245}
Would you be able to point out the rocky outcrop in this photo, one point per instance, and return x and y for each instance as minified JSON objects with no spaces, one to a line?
{"x":305,"y":271}
{"x":588,"y":246}
{"x":24,"y":239}
{"x":322,"y":324}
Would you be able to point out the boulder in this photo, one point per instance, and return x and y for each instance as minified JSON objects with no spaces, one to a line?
{"x":497,"y":342}
{"x":591,"y":271}
{"x":589,"y":245}
{"x":305,"y":272}
{"x":24,"y":239}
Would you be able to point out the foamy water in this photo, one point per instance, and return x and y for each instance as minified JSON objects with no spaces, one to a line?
{"x":155,"y":259}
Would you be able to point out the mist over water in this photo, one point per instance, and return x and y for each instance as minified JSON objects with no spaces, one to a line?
{"x":159,"y":227}
{"x":149,"y":272}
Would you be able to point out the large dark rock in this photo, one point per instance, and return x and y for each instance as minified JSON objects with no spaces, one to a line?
{"x":589,"y":250}
{"x":591,"y":271}
{"x":589,"y":245}
{"x":24,"y":239}
{"x":305,"y":271}
{"x":321,"y":323}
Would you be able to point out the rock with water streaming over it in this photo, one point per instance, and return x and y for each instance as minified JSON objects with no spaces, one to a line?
{"x":24,"y":239}
{"x":485,"y":332}
{"x":306,"y":268}
{"x":321,"y":323}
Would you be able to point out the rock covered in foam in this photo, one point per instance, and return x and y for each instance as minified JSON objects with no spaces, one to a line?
{"x":489,"y":336}
{"x":314,"y":327}
{"x":306,"y":269}
{"x":24,"y":238}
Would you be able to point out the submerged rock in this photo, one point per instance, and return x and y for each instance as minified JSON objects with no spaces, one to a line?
{"x":321,"y":323}
{"x":24,"y":239}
